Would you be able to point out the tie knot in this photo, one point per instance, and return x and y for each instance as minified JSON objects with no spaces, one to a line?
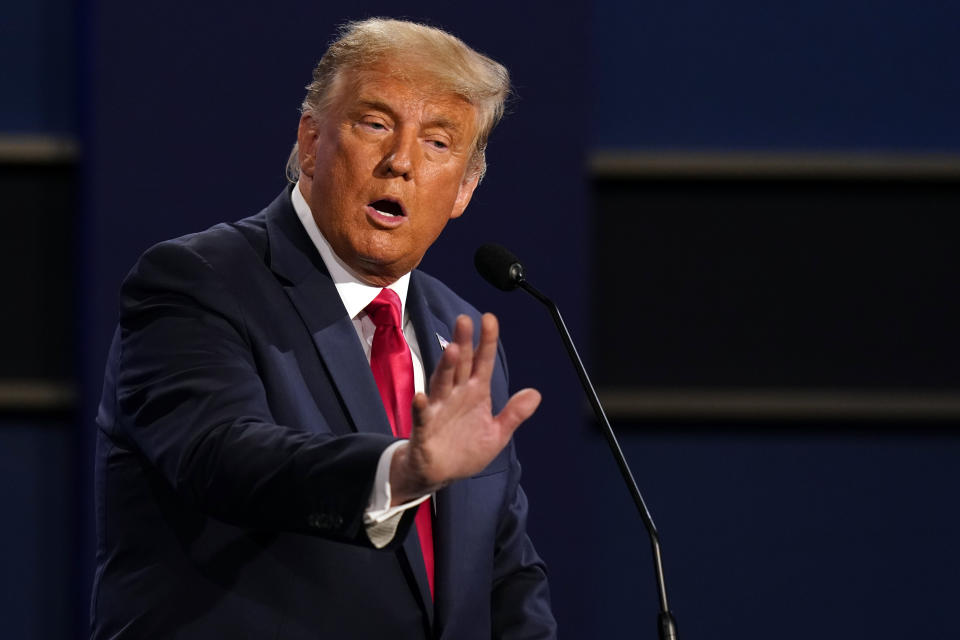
{"x":385,"y":309}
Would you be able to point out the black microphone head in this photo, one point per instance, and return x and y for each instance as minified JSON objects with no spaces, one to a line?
{"x":498,"y":266}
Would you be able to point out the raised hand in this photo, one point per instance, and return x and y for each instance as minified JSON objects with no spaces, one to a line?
{"x":455,"y":433}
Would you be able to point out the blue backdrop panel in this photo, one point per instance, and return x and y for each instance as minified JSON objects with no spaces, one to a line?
{"x":750,"y":74}
{"x":807,"y":533}
{"x":38,"y":64}
{"x":36,"y":463}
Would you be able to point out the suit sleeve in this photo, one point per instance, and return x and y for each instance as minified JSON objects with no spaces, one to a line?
{"x":189,"y":400}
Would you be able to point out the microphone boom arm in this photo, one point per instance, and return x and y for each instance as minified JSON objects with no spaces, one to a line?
{"x":667,"y":625}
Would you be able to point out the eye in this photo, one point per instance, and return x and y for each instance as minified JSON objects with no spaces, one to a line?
{"x":373,"y":124}
{"x":440,"y":145}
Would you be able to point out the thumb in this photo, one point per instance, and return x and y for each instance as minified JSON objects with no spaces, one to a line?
{"x":521,"y":406}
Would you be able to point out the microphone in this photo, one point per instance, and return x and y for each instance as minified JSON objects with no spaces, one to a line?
{"x":503,"y":270}
{"x":498,"y":266}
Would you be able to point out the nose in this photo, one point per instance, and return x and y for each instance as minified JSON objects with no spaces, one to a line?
{"x":401,"y":155}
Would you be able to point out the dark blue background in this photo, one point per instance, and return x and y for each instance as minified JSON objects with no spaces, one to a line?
{"x":749,"y":74}
{"x":186,"y":113}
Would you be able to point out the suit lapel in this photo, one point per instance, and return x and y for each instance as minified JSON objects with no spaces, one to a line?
{"x":430,"y":329}
{"x":427,"y":326}
{"x":311,"y":290}
{"x":449,"y":502}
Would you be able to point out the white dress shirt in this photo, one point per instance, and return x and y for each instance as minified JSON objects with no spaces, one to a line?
{"x":381,"y":520}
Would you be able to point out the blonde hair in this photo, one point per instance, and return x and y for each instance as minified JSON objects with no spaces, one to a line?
{"x":448,"y":61}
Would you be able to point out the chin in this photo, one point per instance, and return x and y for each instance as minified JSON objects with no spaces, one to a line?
{"x":382,"y":270}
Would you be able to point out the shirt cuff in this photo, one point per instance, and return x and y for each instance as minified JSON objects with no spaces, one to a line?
{"x":380,"y":519}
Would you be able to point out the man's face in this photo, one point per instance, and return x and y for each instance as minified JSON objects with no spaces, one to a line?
{"x":385,"y":168}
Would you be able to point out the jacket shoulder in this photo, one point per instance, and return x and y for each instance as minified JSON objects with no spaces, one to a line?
{"x":221,"y":246}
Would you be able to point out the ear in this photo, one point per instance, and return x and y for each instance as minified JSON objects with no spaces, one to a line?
{"x":307,"y":135}
{"x":464,"y":194}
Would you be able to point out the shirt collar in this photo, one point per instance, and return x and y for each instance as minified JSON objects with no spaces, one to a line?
{"x":355,"y":293}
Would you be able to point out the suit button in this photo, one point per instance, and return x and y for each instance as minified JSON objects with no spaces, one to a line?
{"x":324,"y":520}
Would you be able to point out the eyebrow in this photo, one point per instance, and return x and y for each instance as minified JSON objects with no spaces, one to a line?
{"x":373,"y":103}
{"x":443,"y":123}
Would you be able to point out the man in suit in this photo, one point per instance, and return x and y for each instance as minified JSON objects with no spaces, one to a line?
{"x":301,"y":436}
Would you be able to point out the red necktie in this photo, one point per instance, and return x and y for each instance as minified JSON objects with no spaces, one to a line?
{"x":392,"y":366}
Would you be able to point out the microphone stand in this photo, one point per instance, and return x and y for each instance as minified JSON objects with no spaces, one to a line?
{"x":667,"y":625}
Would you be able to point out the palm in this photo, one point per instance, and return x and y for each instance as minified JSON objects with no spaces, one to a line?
{"x":455,"y":434}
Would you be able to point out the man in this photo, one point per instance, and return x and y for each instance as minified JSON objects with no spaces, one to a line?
{"x":301,"y":436}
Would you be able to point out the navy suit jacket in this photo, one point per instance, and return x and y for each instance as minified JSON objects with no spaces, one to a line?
{"x":239,"y":433}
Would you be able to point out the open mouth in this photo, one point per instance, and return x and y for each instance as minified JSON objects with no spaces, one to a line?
{"x":388,"y":208}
